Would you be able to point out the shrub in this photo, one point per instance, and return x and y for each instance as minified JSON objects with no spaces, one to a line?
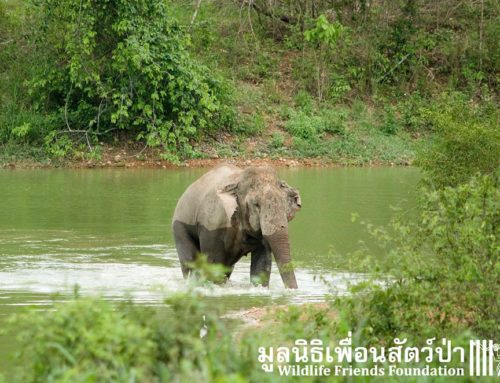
{"x":389,"y":124}
{"x":303,"y":126}
{"x":416,"y":112}
{"x":466,"y":141}
{"x":324,"y":37}
{"x":441,"y":273}
{"x":335,"y":120}
{"x":82,"y":341}
{"x":89,"y":340}
{"x":120,"y":65}
{"x":277,"y":140}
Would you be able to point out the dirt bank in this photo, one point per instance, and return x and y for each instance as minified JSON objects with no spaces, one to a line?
{"x":133,"y":157}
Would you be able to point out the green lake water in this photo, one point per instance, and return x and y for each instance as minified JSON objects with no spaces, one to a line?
{"x":109,"y":232}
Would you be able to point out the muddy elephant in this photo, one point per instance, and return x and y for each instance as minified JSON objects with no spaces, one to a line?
{"x":230,"y":212}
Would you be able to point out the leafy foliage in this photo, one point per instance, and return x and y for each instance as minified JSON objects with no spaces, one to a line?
{"x":466,"y":140}
{"x":89,"y":340}
{"x":121,"y":65}
{"x":83,"y":341}
{"x":324,"y":32}
{"x":441,"y":272}
{"x":303,"y":126}
{"x":325,"y":36}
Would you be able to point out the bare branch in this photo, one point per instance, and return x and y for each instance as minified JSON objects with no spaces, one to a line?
{"x":481,"y":28}
{"x":196,"y":9}
{"x":394,"y":67}
{"x":250,"y":3}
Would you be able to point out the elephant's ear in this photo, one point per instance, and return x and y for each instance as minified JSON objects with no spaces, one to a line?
{"x":292,"y":193}
{"x":229,"y":200}
{"x":284,"y":185}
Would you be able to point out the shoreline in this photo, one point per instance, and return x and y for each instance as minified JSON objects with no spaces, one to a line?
{"x":131,"y":163}
{"x":195,"y":163}
{"x":131,"y":155}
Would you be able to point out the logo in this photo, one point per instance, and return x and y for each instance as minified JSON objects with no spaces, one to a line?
{"x":483,"y":355}
{"x":434,"y":358}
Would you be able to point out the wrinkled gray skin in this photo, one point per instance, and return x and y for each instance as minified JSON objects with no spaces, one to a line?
{"x":230,"y":212}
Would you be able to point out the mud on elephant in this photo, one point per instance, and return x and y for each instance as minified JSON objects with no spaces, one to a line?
{"x":230,"y":212}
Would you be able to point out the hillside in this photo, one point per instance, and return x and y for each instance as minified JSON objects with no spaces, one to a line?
{"x":347,"y":82}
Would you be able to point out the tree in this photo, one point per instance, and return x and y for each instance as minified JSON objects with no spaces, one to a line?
{"x":117,"y":64}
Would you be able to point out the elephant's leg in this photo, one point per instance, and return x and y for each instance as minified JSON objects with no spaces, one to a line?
{"x":260,"y":266}
{"x":213,"y":245}
{"x":187,"y":246}
{"x":229,"y":272}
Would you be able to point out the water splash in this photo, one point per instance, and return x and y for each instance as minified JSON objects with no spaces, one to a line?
{"x":145,"y":273}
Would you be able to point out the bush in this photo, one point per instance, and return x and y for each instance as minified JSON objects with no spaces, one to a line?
{"x":466,"y":140}
{"x":312,"y":124}
{"x":90,"y":340}
{"x":278,"y":140}
{"x":303,"y":126}
{"x":335,"y":120}
{"x":84,"y":340}
{"x":120,"y":65}
{"x":441,"y":273}
{"x":416,"y":112}
{"x":389,"y":124}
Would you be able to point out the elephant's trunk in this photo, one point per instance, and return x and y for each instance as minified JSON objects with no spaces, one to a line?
{"x":280,"y":246}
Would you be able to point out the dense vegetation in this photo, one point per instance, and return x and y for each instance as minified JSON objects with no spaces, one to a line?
{"x":352,"y":81}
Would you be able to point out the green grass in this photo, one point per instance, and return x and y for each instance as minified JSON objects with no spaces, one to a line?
{"x":12,"y":153}
{"x":347,"y":135}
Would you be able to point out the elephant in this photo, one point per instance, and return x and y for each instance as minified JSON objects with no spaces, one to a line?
{"x":230,"y":212}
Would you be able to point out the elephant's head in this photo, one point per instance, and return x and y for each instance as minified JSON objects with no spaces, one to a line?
{"x":293,"y":200}
{"x":265,"y":206}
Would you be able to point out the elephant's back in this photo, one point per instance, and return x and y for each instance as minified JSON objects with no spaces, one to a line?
{"x":200,"y":198}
